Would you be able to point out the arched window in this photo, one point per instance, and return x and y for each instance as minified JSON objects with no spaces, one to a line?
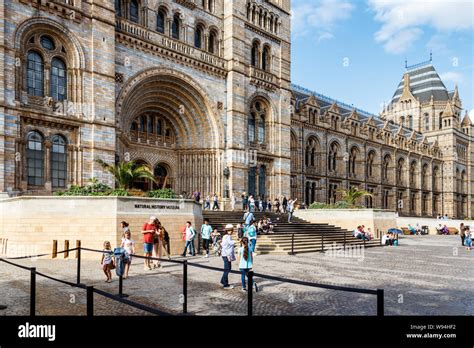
{"x":58,"y":162}
{"x":251,"y":128}
{"x":211,"y":6}
{"x":412,"y":173}
{"x":266,"y":57}
{"x":118,"y":7}
{"x":142,"y":123}
{"x":161,"y":21}
{"x":256,"y":125}
{"x":252,"y":174}
{"x":161,"y":177}
{"x":262,"y":181}
{"x":353,"y":161}
{"x":134,"y":11}
{"x":35,"y":159}
{"x":410,"y":122}
{"x":58,"y":80}
{"x":436,"y":178}
{"x":370,"y":163}
{"x":159,"y":127}
{"x":332,"y":157}
{"x":427,"y":122}
{"x":198,"y":37}
{"x":35,"y":74}
{"x":307,"y":155}
{"x":425,"y":177}
{"x":212,"y":42}
{"x":402,"y":121}
{"x":400,"y":171}
{"x":175,"y":27}
{"x":255,"y":54}
{"x":385,"y":167}
{"x":151,"y":127}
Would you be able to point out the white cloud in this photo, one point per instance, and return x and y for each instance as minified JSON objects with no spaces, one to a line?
{"x":453,"y":77}
{"x":401,"y":19}
{"x":319,"y":18}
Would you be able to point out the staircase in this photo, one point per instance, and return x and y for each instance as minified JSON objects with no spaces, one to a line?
{"x":304,"y":236}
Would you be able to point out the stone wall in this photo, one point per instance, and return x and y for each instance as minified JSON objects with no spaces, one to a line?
{"x":31,"y":224}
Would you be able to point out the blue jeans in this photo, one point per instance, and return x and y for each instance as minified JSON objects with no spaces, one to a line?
{"x":190,"y":245}
{"x":253,"y":243}
{"x":243,"y":273}
{"x":227,"y":269}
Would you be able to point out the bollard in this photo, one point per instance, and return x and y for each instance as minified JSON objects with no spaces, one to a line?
{"x":250,"y":294}
{"x":78,"y":281}
{"x":33,"y":292}
{"x":185,"y":287}
{"x":293,"y":244}
{"x":345,"y":236}
{"x":380,"y":303}
{"x":121,"y":294}
{"x":322,"y":243}
{"x":55,"y":249}
{"x":364,"y":242}
{"x":90,"y":301}
{"x":66,"y":247}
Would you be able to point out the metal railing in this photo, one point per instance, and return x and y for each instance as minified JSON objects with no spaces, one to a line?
{"x":90,"y":290}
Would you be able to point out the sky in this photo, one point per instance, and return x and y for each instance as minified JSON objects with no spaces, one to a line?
{"x":354,"y":51}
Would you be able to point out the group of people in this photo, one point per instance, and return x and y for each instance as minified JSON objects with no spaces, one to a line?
{"x":444,"y":230}
{"x":281,"y":205}
{"x":360,"y":233}
{"x":390,"y":239}
{"x":442,"y":217}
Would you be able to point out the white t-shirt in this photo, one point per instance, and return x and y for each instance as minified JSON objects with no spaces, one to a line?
{"x":128,"y":245}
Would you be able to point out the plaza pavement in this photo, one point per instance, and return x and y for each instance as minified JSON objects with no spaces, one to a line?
{"x":425,"y":275}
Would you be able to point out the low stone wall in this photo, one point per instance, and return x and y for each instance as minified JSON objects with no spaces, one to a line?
{"x":349,"y":219}
{"x":432,"y":223}
{"x":29,"y":225}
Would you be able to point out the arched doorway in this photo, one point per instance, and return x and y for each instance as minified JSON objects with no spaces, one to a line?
{"x":162,"y":177}
{"x":141,"y":183}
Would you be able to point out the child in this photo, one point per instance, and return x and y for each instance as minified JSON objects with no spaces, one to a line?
{"x":107,"y":261}
{"x":129,"y":245}
{"x":215,"y":235}
{"x":245,"y":262}
{"x":468,"y":241}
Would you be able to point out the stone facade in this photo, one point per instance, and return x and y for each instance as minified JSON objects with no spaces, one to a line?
{"x":200,"y":92}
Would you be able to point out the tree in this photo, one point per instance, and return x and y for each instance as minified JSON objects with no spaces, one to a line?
{"x":125,"y":173}
{"x":353,"y":194}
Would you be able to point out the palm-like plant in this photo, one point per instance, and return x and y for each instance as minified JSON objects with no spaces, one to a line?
{"x":125,"y":173}
{"x":353,"y":194}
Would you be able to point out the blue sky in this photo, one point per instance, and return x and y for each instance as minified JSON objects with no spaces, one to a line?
{"x":354,"y":51}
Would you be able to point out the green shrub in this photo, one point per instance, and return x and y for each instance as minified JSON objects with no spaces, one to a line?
{"x":319,"y":205}
{"x":119,"y":193}
{"x":163,"y":193}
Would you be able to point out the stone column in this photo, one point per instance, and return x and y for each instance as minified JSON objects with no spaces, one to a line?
{"x":47,"y":166}
{"x":70,"y":165}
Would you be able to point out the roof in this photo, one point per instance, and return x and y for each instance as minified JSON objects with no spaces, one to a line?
{"x":424,"y":83}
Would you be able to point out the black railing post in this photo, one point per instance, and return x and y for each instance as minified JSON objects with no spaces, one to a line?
{"x":90,"y":301}
{"x":121,"y":294}
{"x":345,"y":236}
{"x":33,"y":292}
{"x":364,"y":241}
{"x":185,"y":287}
{"x":380,"y":236}
{"x":380,"y":303}
{"x":78,"y":265}
{"x":250,"y":294}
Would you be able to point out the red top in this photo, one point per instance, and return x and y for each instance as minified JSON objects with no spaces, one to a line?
{"x":148,"y":237}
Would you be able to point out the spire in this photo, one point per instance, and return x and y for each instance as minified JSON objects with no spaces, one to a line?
{"x":406,"y":94}
{"x":466,"y":120}
{"x":406,"y":63}
{"x":431,"y":55}
{"x":448,"y":110}
{"x":456,"y":93}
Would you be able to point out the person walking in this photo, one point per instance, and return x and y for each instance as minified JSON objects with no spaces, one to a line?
{"x":284,"y":204}
{"x":125,"y":227}
{"x":148,"y":231}
{"x":245,"y":261}
{"x":291,"y":209}
{"x":215,"y":198}
{"x":233,"y":201}
{"x":248,"y":218}
{"x":166,"y":242}
{"x":157,"y":244}
{"x":462,"y":232}
{"x":128,"y":244}
{"x":245,"y":201}
{"x":190,"y":235}
{"x":228,"y":255}
{"x":251,"y":204}
{"x":206,"y":231}
{"x":240,"y":231}
{"x":207,"y":203}
{"x":251,"y":235}
{"x":277,"y":206}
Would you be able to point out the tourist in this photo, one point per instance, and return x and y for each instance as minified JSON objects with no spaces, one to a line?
{"x":260,"y":205}
{"x":248,"y":218}
{"x":107,"y":261}
{"x":462,"y":233}
{"x":228,"y":255}
{"x":148,"y":231}
{"x":269,"y":205}
{"x":251,"y":204}
{"x":395,"y":239}
{"x":240,"y":231}
{"x":157,"y":244}
{"x":284,"y":204}
{"x":445,"y":230}
{"x":189,"y":238}
{"x":412,"y":229}
{"x":264,"y":204}
{"x":260,"y":226}
{"x":215,"y":199}
{"x":468,"y":240}
{"x":385,"y":238}
{"x":245,"y":201}
{"x":216,"y":242}
{"x":245,"y":263}
{"x":197,"y":196}
{"x":166,"y":242}
{"x":207,"y":203}
{"x":251,"y":235}
{"x":291,"y":209}
{"x":233,"y":200}
{"x":128,"y":244}
{"x":206,"y":231}
{"x":277,"y":206}
{"x":125,"y":227}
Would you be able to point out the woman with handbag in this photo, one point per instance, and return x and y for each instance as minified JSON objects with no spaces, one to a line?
{"x":157,"y":244}
{"x":228,"y":255}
